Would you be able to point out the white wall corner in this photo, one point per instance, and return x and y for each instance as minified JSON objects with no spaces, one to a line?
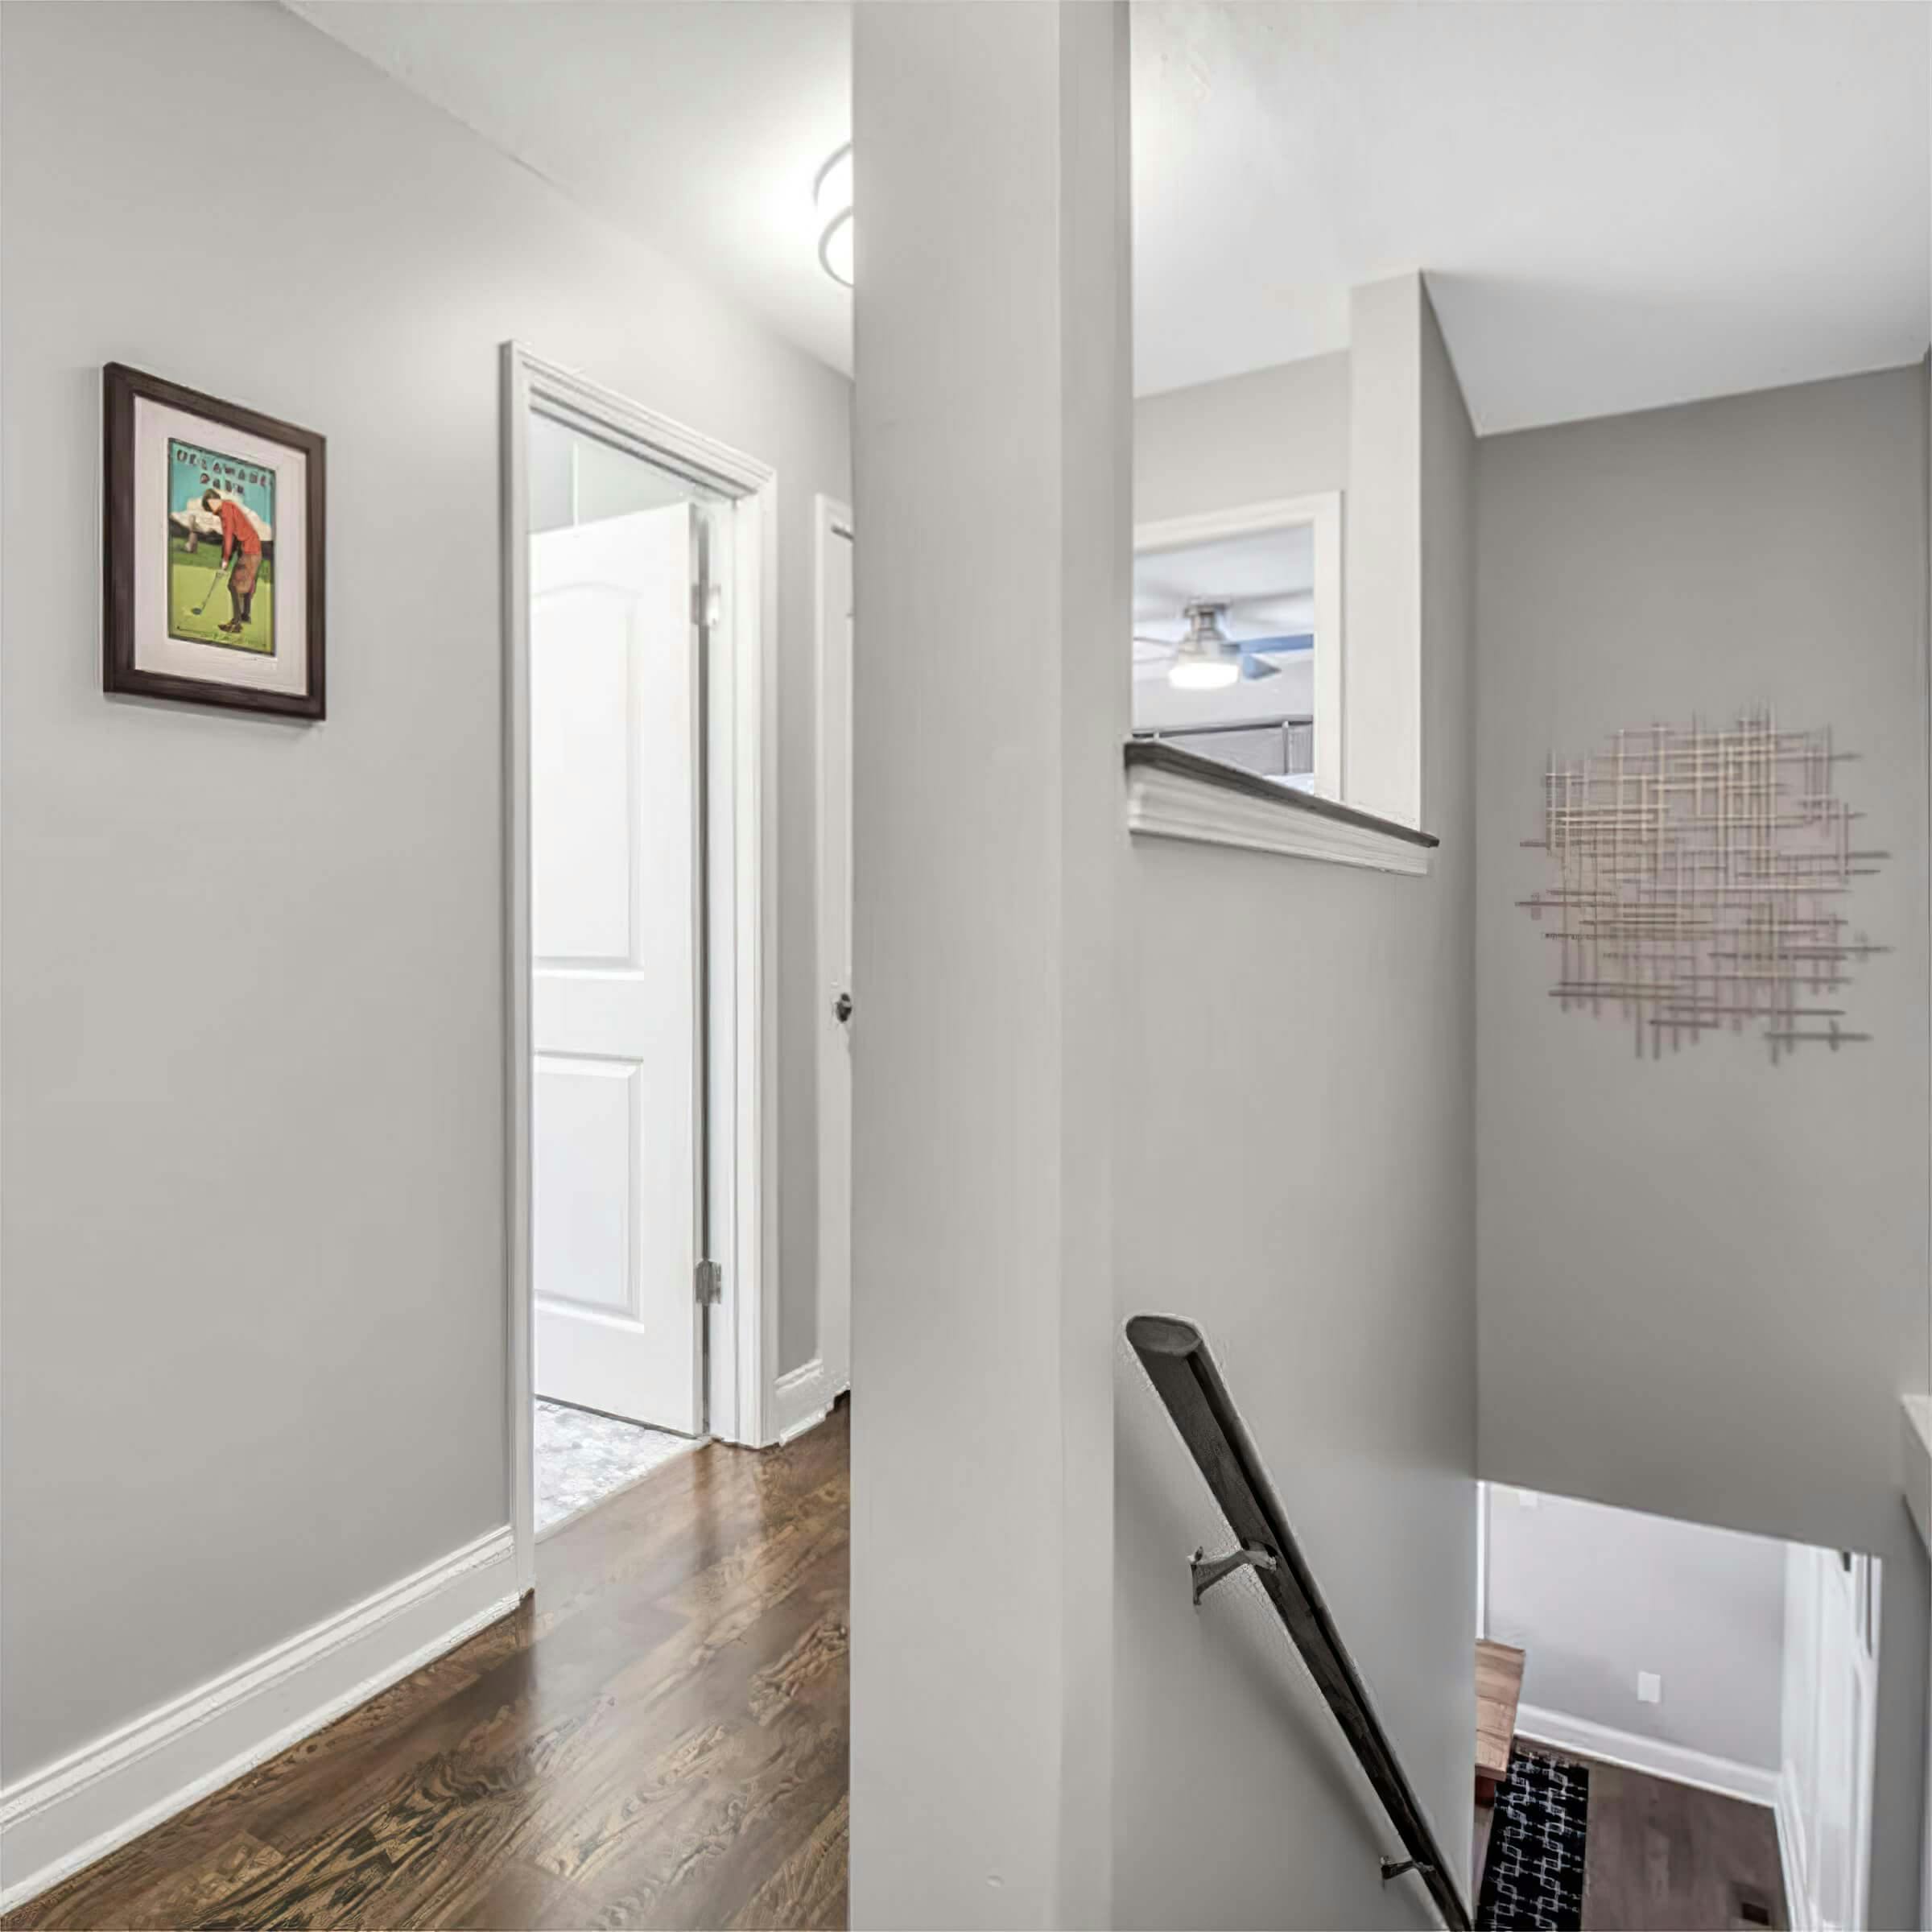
{"x":993,"y":457}
{"x":62,"y":1817}
{"x":1382,"y":570}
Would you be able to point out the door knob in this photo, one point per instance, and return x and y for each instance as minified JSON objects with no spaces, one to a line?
{"x":841,"y":1007}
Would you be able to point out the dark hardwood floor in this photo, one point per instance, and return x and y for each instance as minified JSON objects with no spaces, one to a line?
{"x":1664,"y":1857}
{"x":659,"y":1740}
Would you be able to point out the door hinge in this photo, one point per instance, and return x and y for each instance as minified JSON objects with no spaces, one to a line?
{"x":707,"y":604}
{"x":711,"y":1282}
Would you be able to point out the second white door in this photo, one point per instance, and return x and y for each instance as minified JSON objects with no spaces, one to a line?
{"x":616,"y":905}
{"x":836,"y":1012}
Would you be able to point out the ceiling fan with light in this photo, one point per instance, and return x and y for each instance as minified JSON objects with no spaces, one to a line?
{"x":1207,"y":658}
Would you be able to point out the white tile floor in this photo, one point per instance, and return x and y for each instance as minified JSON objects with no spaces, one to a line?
{"x":582,"y":1458}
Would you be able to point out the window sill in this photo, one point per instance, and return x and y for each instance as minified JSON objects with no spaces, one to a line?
{"x":1177,"y":795}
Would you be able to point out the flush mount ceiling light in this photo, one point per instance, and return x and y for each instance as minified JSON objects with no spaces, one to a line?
{"x":831,"y":197}
{"x":1207,"y":658}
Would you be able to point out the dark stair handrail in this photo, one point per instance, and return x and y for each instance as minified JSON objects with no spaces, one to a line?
{"x":1182,"y":1369}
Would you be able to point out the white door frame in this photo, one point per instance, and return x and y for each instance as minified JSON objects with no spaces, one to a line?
{"x":741,"y":838}
{"x":803,"y":1395}
{"x":1322,"y":510}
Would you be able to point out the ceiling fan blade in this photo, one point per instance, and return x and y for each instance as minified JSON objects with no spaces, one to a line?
{"x":1253,"y":667}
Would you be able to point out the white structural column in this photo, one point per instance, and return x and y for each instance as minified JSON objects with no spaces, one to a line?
{"x":992,"y":473}
{"x":1382,"y":720}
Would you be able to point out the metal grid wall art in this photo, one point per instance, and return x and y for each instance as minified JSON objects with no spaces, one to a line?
{"x":1700,"y":876}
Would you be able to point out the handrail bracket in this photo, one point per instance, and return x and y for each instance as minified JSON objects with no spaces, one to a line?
{"x":1207,"y":1571}
{"x":1395,"y":1867}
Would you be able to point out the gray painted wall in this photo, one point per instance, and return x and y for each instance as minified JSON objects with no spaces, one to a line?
{"x":250,"y":985}
{"x":1278,"y":432}
{"x":994,"y":478}
{"x":1593,"y":1596}
{"x":1704,"y":1278}
{"x":1297,"y":1175}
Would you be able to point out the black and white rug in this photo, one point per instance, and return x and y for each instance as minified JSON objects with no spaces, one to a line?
{"x":1534,"y":1875}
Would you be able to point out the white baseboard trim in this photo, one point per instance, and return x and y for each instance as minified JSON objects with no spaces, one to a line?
{"x":802,"y":1425}
{"x":801,"y":1398}
{"x":1677,"y":1762}
{"x":55,"y":1820}
{"x":1801,"y":1908}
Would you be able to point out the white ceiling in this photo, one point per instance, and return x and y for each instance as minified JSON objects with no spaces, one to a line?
{"x":697,"y":127}
{"x":1266,"y":579}
{"x":1619,"y":205}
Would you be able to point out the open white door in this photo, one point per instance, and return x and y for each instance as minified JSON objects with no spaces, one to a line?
{"x":834,"y":631}
{"x":615,"y":905}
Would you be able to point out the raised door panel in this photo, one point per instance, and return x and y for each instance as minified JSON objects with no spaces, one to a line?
{"x":583,"y":743}
{"x":584,"y":1186}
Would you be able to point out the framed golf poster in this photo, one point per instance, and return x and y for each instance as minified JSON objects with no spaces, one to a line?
{"x":214,"y":575}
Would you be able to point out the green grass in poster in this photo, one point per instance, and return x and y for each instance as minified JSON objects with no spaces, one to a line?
{"x":191,"y":576}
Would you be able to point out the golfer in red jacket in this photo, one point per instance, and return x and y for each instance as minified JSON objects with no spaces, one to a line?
{"x":237,"y":533}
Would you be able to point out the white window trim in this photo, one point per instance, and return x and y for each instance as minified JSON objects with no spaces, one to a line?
{"x":1323,"y":510}
{"x":1173,"y":805}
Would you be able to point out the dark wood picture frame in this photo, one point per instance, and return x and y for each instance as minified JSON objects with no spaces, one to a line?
{"x":120,"y":550}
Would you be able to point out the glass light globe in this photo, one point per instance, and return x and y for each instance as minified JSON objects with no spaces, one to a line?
{"x":1203,"y":674}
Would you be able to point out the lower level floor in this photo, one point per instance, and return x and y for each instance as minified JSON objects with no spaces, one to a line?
{"x":1661,"y":1856}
